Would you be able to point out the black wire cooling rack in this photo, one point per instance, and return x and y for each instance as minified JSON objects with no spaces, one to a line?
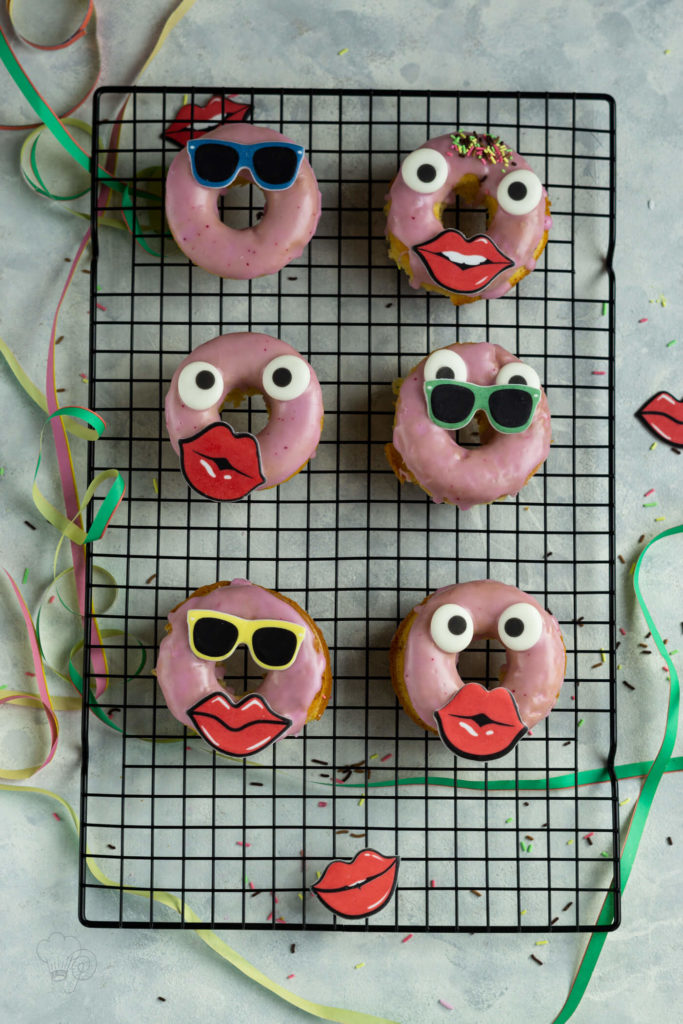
{"x":241,"y":843}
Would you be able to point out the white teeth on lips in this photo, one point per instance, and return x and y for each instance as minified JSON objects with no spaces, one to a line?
{"x":466,"y":260}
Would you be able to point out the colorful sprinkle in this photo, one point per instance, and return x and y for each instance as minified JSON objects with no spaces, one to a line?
{"x":361,"y":801}
{"x":604,"y":854}
{"x":670,"y":343}
{"x":322,"y":803}
{"x":626,"y":801}
{"x":386,"y":757}
{"x":598,"y":373}
{"x":603,"y":655}
{"x":541,"y":942}
{"x":487,"y":148}
{"x":604,"y":309}
{"x":648,"y":493}
{"x":340,"y":53}
{"x":25,"y":576}
{"x":445,"y":1004}
{"x":660,"y":519}
{"x":580,"y":722}
{"x":56,"y":816}
{"x":653,"y":446}
{"x":643,"y":320}
{"x":522,"y":913}
{"x":100,"y":306}
{"x":649,"y":504}
{"x":622,"y":631}
{"x":432,"y":884}
{"x":155,"y":485}
{"x":407,"y":938}
{"x":508,"y":820}
{"x":290,"y":976}
{"x":2,"y":470}
{"x":357,"y":966}
{"x":570,"y":842}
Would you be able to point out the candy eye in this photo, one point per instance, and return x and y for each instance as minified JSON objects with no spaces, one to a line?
{"x":520,"y":627}
{"x":518,"y":373}
{"x":445,"y":364}
{"x":286,"y":377}
{"x":425,"y":170}
{"x":452,"y":628}
{"x":200,"y":385}
{"x":519,"y":192}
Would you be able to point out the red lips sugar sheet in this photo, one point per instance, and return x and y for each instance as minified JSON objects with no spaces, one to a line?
{"x":220,"y":463}
{"x":239,"y":728}
{"x":360,"y":887}
{"x":461,"y":264}
{"x":185,"y":124}
{"x":663,"y":414}
{"x":480,"y":724}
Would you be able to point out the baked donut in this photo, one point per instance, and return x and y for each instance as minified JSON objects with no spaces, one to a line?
{"x":482,"y":171}
{"x":238,"y":154}
{"x":442,"y":394}
{"x":218,"y":462}
{"x":204,"y":630}
{"x":472,"y":721}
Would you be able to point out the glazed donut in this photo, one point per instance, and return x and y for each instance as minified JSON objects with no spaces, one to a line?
{"x":204,"y":630}
{"x":215,"y":460}
{"x":472,"y":721}
{"x":228,"y":156}
{"x":482,"y":171}
{"x":441,"y":395}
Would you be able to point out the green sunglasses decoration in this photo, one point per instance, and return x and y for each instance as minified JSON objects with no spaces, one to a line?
{"x":452,"y":404}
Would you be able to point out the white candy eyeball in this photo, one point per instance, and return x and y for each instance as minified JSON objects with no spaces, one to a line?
{"x":200,"y":385}
{"x":425,"y":170}
{"x":518,"y":373}
{"x":286,"y":377}
{"x":519,"y":192}
{"x":520,"y":627}
{"x":444,"y":364}
{"x":452,"y":628}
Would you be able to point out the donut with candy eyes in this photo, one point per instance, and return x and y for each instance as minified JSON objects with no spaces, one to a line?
{"x":442,"y":395}
{"x":239,"y":154}
{"x":480,"y":170}
{"x":223,"y":464}
{"x":472,"y":721}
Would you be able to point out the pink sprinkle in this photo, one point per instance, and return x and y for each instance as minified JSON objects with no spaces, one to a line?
{"x":433,"y":884}
{"x":251,"y":885}
{"x":289,"y":976}
{"x":643,"y":320}
{"x":281,"y":920}
{"x":83,"y":376}
{"x":100,"y":306}
{"x":56,"y":816}
{"x":322,"y":803}
{"x":444,"y":1003}
{"x":385,"y":758}
{"x":51,"y":599}
{"x":275,"y":898}
{"x":648,"y":493}
{"x":622,"y":631}
{"x":270,"y":916}
{"x":407,"y":938}
{"x":29,"y":673}
{"x":237,"y":842}
{"x":588,"y":835}
{"x":598,"y":373}
{"x":339,"y":780}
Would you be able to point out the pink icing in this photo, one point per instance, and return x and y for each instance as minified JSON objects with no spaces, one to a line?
{"x":186,"y":679}
{"x":431,"y":675}
{"x":287,"y":226}
{"x":412,"y":220}
{"x":467,"y":476}
{"x":291,"y":435}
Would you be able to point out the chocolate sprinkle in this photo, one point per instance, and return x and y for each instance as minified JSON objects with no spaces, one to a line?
{"x":646,"y":652}
{"x":675,"y":451}
{"x":476,"y":892}
{"x":566,"y":743}
{"x":570,"y":904}
{"x":554,"y":920}
{"x":316,"y":761}
{"x":641,"y":538}
{"x":150,"y":578}
{"x":30,"y":525}
{"x":669,"y":840}
{"x":621,"y":559}
{"x":533,"y":957}
{"x":589,"y":840}
{"x":628,"y":684}
{"x":342,"y":832}
{"x":255,"y":783}
{"x":161,"y":999}
{"x":110,"y":846}
{"x":357,"y":835}
{"x":292,"y":948}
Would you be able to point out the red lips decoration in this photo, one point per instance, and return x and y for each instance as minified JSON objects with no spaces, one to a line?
{"x":220,"y":463}
{"x":480,"y":724}
{"x":663,"y":414}
{"x":217,"y":110}
{"x":240,"y":727}
{"x":360,"y":887}
{"x":465,"y":278}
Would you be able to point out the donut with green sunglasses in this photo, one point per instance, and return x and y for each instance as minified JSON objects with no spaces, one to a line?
{"x":454,"y":389}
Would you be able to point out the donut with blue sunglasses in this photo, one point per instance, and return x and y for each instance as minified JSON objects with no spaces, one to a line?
{"x":241,"y":154}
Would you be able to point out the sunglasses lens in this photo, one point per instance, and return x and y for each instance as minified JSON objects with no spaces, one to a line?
{"x":214,"y":638}
{"x":215,"y":164}
{"x":451,"y":404}
{"x":510,"y":408}
{"x":273,"y":645}
{"x":275,"y":165}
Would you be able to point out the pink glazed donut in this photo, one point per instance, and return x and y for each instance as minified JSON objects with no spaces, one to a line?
{"x":482,"y":171}
{"x":218,"y":462}
{"x":473,"y":721}
{"x":289,"y":220}
{"x":425,"y":447}
{"x":206,"y":629}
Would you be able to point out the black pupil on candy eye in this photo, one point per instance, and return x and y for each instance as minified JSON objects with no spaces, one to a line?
{"x":273,"y":645}
{"x":205,"y":380}
{"x":517,"y":190}
{"x":514,"y":627}
{"x":510,"y":408}
{"x":457,"y":625}
{"x":282,"y":377}
{"x":451,"y":404}
{"x":517,"y":379}
{"x":445,"y":372}
{"x":426,"y":172}
{"x":275,"y":164}
{"x":214,"y":638}
{"x":215,"y":163}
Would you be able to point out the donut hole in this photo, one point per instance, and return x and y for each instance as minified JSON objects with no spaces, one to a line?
{"x":477,"y":432}
{"x":239,"y":672}
{"x":242,"y":207}
{"x":484,"y":661}
{"x":466,"y":210}
{"x":245,"y":409}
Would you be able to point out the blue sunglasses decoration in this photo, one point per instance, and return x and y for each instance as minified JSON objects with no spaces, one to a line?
{"x":274,"y":165}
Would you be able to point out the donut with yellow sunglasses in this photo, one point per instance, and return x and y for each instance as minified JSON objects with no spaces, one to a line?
{"x":204,"y":631}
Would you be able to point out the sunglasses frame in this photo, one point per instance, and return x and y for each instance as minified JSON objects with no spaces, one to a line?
{"x":245,"y":632}
{"x":245,"y":161}
{"x":482,"y":393}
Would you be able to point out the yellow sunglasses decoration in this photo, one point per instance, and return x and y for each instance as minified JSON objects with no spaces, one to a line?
{"x":272,"y":643}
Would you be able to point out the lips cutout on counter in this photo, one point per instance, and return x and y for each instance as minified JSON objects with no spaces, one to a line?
{"x":238,"y":728}
{"x":221,"y":464}
{"x":218,"y":110}
{"x":461,"y":264}
{"x":480,"y":724}
{"x":359,"y":887}
{"x":663,"y":414}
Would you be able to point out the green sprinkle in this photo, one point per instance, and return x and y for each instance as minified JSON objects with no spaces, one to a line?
{"x":340,"y":53}
{"x":653,"y":446}
{"x":373,"y":756}
{"x":2,"y":470}
{"x":317,"y":875}
{"x":670,"y":343}
{"x":649,"y":504}
{"x":361,"y":801}
{"x":619,"y":667}
{"x":528,"y":849}
{"x":604,"y":853}
{"x":570,"y":842}
{"x":25,"y":577}
{"x":356,"y":966}
{"x":580,"y":722}
{"x":604,"y":309}
{"x":508,"y":820}
{"x":673,"y":652}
